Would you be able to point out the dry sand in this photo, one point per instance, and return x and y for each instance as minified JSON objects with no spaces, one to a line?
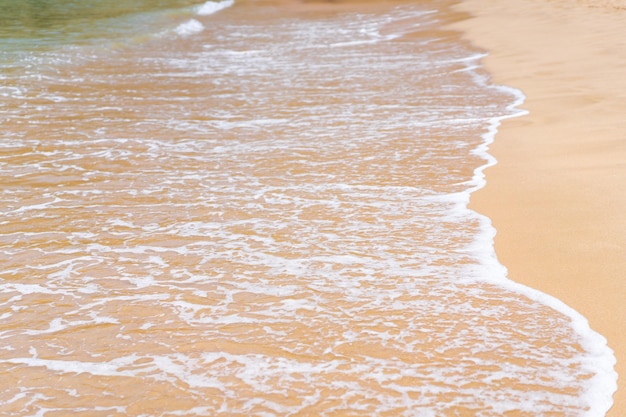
{"x":557,"y":196}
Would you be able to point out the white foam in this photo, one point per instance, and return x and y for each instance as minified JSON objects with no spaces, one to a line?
{"x":211,"y":7}
{"x":13,"y":92}
{"x":600,"y":359}
{"x":110,"y":368}
{"x":255,"y":219}
{"x":190,"y":27}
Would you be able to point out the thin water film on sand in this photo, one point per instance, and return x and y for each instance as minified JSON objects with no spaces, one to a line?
{"x":264,"y":213}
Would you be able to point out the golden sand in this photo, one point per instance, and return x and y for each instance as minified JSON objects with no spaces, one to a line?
{"x":136,"y":276}
{"x":558,"y":194}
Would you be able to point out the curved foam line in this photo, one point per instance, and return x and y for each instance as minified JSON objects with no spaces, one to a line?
{"x":601,"y":358}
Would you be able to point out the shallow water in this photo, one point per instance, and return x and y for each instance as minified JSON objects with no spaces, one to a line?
{"x":261,"y":210}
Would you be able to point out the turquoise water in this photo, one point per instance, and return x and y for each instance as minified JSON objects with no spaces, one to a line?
{"x":39,"y":24}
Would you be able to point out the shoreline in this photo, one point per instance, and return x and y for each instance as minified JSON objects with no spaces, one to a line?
{"x":557,"y":195}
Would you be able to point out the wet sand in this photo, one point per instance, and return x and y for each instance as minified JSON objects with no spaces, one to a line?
{"x":557,"y":196}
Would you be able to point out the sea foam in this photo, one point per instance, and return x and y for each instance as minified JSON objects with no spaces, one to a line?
{"x":600,"y":359}
{"x":190,"y":27}
{"x":193,"y":26}
{"x":271,"y":225}
{"x":211,"y":7}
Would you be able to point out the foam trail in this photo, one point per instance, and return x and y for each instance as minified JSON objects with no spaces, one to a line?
{"x":601,"y":359}
{"x":271,"y":218}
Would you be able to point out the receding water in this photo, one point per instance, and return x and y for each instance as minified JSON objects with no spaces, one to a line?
{"x":261,"y":209}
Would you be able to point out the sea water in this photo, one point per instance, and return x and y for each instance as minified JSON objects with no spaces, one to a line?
{"x":260,"y":209}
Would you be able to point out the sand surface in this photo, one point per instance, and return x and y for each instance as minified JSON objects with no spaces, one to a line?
{"x":557,"y":196}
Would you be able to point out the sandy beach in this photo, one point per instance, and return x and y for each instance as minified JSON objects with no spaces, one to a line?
{"x":256,"y":208}
{"x":557,"y":195}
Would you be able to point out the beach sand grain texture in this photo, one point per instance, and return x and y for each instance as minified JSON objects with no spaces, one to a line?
{"x":557,"y":196}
